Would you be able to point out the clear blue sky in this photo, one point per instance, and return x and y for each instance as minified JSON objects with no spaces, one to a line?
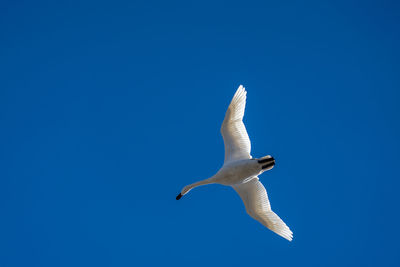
{"x":107,"y":109}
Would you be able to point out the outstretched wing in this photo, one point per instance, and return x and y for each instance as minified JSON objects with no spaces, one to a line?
{"x":236,"y":139}
{"x":257,"y":205}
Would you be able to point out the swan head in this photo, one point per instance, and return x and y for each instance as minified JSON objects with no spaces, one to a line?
{"x":184,"y":191}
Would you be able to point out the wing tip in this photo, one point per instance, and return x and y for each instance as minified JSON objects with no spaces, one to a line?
{"x":241,"y":88}
{"x":239,"y":95}
{"x":285,"y":233}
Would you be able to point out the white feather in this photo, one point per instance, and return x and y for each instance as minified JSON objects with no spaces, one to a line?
{"x":255,"y":199}
{"x":236,"y":139}
{"x":241,"y":171}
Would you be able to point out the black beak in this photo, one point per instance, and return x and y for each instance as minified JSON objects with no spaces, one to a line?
{"x":178,"y":196}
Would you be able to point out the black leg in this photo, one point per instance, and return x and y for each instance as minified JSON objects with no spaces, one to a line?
{"x":271,"y":159}
{"x":271,"y":164}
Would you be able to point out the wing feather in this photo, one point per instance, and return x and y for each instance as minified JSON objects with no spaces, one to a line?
{"x":257,"y":205}
{"x":236,"y":139}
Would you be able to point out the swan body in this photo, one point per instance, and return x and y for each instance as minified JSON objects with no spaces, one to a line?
{"x":241,"y":170}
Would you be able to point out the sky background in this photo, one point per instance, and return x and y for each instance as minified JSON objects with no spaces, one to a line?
{"x":108,"y":108}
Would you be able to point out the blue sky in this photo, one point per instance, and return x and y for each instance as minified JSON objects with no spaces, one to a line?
{"x":107,"y":109}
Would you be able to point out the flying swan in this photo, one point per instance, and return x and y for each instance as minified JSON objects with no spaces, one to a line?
{"x":241,"y":170}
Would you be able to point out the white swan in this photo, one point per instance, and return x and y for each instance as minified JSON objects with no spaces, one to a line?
{"x":240,"y":170}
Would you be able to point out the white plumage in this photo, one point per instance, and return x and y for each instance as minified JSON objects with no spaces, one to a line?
{"x":236,"y":139}
{"x":241,"y":171}
{"x":255,"y":199}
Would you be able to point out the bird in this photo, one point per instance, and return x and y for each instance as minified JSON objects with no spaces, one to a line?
{"x":240,"y":170}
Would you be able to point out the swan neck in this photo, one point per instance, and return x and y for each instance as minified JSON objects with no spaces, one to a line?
{"x":205,"y":181}
{"x":186,"y":189}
